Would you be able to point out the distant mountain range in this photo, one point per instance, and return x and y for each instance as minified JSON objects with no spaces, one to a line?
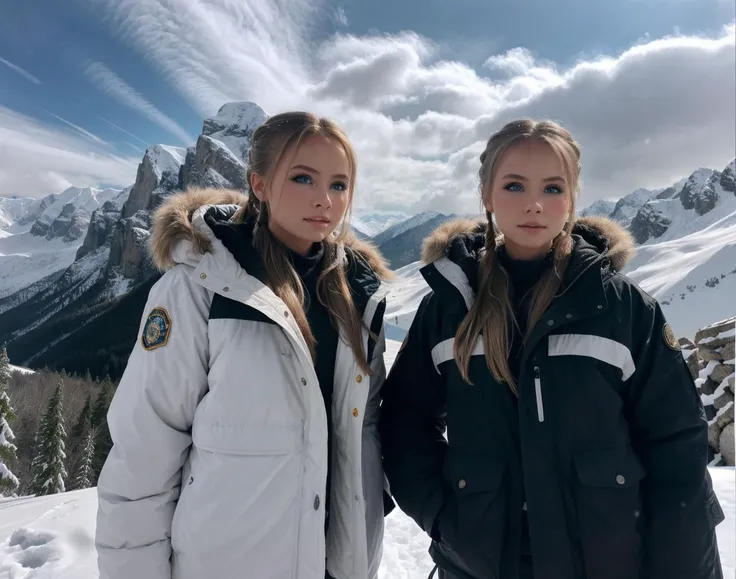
{"x":74,"y":274}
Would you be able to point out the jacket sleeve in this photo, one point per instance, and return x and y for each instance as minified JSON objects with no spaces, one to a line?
{"x":412,"y":425}
{"x":150,"y":419}
{"x":670,"y":433}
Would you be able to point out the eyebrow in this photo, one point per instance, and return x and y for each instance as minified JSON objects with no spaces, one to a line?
{"x":522,"y":178}
{"x":313,"y":170}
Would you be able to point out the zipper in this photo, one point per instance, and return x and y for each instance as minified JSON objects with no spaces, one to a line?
{"x":538,"y":390}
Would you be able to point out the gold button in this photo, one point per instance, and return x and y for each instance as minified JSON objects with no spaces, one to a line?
{"x":203,"y":275}
{"x":355,"y":412}
{"x":359,"y":378}
{"x":461,"y":484}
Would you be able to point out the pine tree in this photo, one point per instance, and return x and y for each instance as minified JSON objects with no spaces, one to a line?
{"x":103,"y":441}
{"x":85,"y":473}
{"x":8,"y":481}
{"x":79,"y":430}
{"x":49,"y":470}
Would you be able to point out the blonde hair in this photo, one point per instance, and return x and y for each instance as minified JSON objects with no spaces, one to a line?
{"x":491,"y":314}
{"x":269,"y":144}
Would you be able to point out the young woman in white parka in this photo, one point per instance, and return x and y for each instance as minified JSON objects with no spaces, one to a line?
{"x":244,"y":426}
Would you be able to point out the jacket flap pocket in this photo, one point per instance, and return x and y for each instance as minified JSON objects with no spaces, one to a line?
{"x":609,"y":467}
{"x":250,"y":439}
{"x":474,"y":473}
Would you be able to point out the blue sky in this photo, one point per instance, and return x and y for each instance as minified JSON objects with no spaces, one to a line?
{"x":114,"y":76}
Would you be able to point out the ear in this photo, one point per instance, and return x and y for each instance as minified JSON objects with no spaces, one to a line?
{"x":488,"y":203}
{"x":258,"y":186}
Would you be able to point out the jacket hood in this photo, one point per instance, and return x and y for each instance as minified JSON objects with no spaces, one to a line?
{"x":467,"y":237}
{"x":173,"y":224}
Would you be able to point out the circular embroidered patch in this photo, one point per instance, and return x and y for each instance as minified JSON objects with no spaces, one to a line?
{"x":669,"y":337}
{"x":156,"y":330}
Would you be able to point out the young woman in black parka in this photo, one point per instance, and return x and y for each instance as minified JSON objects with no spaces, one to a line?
{"x":576,"y":442}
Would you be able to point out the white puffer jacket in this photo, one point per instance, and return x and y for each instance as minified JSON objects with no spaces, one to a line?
{"x":219,"y":463}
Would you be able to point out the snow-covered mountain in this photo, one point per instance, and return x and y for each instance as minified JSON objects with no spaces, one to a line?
{"x":405,"y":225}
{"x":112,"y":258}
{"x":602,"y":207}
{"x":374,"y":223}
{"x":40,"y":236}
{"x":627,"y":207}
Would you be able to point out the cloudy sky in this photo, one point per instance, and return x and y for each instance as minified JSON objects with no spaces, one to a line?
{"x":647,"y":87}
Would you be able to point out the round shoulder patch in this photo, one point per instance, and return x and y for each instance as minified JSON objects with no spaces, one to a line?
{"x":669,"y":337}
{"x":157,"y":329}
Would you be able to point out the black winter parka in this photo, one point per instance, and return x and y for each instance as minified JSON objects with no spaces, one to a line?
{"x":605,"y":448}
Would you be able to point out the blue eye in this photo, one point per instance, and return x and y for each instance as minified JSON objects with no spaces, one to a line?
{"x":340,"y":186}
{"x":554,"y":189}
{"x":514,"y":186}
{"x":304,"y":179}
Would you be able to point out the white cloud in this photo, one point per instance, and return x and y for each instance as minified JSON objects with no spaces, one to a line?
{"x":107,"y":81}
{"x":82,"y":131}
{"x":645,"y":117}
{"x":21,"y":71}
{"x":37,"y":159}
{"x":341,"y":17}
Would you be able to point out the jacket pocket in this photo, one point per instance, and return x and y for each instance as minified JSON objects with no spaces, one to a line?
{"x":610,"y":517}
{"x":243,"y":499}
{"x":471,"y":523}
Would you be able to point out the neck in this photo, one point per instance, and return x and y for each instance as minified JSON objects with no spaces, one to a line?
{"x":294,"y":243}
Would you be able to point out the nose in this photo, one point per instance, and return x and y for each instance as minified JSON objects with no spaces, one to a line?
{"x":534,"y":207}
{"x":322,"y":199}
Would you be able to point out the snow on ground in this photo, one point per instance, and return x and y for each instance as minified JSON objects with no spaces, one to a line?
{"x":53,"y":537}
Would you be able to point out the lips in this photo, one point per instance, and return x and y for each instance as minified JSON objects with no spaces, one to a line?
{"x":532,"y":226}
{"x":317,"y":219}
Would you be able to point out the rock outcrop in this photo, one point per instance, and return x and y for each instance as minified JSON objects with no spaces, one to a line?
{"x":710,"y":359}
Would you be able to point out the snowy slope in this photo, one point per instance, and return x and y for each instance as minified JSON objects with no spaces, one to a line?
{"x":30,"y":252}
{"x":166,"y":158}
{"x":404,"y":226}
{"x":14,"y":210}
{"x":374,"y":223}
{"x":627,"y":207}
{"x":53,"y":536}
{"x":233,"y":125}
{"x":692,"y":275}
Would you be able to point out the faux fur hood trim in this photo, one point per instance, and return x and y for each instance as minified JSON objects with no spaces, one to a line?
{"x":618,"y":241}
{"x":172,"y":224}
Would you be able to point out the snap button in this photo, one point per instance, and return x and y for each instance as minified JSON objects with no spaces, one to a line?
{"x":359,"y":378}
{"x":620,"y":479}
{"x":191,"y":479}
{"x":461,"y":484}
{"x":355,"y":412}
{"x":226,"y":289}
{"x":600,"y":307}
{"x":304,"y":381}
{"x":550,"y":322}
{"x":203,"y":275}
{"x":568,"y":316}
{"x":286,"y":314}
{"x":316,"y":503}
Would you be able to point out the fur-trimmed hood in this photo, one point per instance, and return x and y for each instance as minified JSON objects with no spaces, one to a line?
{"x":173,"y":225}
{"x":603,"y":234}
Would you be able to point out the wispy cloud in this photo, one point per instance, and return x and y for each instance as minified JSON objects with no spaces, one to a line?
{"x":114,"y":126}
{"x":107,"y":81}
{"x":37,"y":158}
{"x":419,"y":120}
{"x":21,"y":71}
{"x":341,"y":17}
{"x":84,"y":132}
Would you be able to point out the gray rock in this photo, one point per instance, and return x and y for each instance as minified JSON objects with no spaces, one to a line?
{"x":726,"y":445}
{"x":723,"y":400}
{"x":649,"y":222}
{"x":720,"y":372}
{"x":714,"y":436}
{"x":726,"y":417}
{"x":712,"y":332}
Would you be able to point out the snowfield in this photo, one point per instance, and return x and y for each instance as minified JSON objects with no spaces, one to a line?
{"x":52,"y":537}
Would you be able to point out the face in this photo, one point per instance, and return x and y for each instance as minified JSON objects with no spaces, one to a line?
{"x":308,"y":194}
{"x":530,"y":198}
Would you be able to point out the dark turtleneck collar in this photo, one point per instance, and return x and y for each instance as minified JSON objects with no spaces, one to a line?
{"x":524,"y":273}
{"x":305,"y":265}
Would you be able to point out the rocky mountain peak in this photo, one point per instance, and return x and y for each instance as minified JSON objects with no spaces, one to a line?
{"x":233,"y":125}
